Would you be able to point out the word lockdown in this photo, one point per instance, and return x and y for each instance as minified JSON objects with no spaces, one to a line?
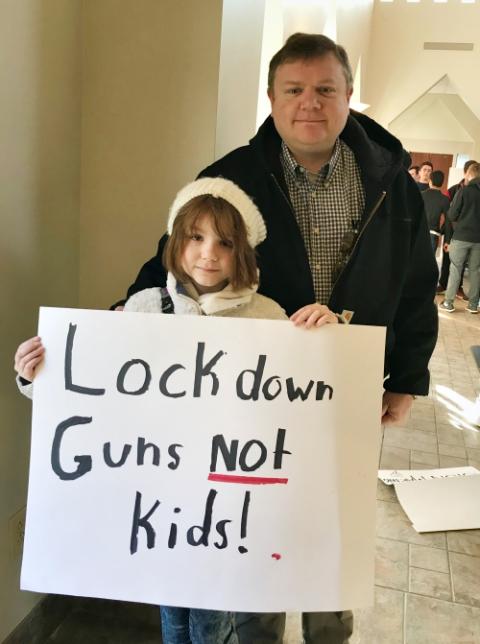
{"x":250,"y":384}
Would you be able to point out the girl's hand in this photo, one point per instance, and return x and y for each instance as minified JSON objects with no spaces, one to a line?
{"x":28,"y":356}
{"x":313,"y":315}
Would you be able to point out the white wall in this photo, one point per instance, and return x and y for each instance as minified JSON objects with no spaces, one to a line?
{"x":252,"y":32}
{"x":239,"y":75}
{"x":399,"y":70}
{"x":39,"y":208}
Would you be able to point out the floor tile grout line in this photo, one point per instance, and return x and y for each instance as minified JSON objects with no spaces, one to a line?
{"x":452,"y":585}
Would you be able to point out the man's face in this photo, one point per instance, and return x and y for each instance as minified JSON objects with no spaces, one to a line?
{"x":310,"y":103}
{"x":413,"y":173}
{"x":424,"y":174}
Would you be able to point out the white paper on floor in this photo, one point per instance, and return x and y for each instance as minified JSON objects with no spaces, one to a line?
{"x":448,"y":499}
{"x":390,"y":477}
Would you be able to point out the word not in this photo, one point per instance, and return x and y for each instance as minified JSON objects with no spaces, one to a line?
{"x":232,"y":459}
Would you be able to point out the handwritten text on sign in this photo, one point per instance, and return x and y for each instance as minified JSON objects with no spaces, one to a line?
{"x":206,"y":462}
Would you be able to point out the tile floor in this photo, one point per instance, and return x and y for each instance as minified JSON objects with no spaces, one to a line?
{"x":427,"y":585}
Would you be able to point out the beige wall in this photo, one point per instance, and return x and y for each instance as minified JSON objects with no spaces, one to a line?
{"x":39,"y":207}
{"x":149,"y":101}
{"x":107,"y":108}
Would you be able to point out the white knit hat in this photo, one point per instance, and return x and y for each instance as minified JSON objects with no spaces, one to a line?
{"x":219,"y":187}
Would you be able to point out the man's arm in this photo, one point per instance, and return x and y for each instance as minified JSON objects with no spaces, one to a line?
{"x":456,"y":206}
{"x":416,"y":319}
{"x":151,"y":274}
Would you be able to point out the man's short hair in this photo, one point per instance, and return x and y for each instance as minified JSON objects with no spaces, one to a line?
{"x":301,"y":46}
{"x":437,"y":178}
{"x":429,"y":163}
{"x":467,"y":164}
{"x":474,"y":169}
{"x":414,"y":167}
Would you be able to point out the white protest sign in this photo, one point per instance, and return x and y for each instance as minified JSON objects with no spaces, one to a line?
{"x":204,"y":462}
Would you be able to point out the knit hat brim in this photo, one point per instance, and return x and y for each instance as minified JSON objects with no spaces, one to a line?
{"x":219,"y":187}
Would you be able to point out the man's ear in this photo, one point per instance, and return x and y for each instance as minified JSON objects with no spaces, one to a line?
{"x":270,"y":96}
{"x":349,"y":94}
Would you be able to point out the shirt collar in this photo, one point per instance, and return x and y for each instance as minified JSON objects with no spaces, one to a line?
{"x":295,"y":168}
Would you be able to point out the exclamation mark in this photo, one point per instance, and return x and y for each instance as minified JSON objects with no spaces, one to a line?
{"x":243,"y":526}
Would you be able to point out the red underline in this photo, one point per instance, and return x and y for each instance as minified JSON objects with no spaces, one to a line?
{"x":250,"y":480}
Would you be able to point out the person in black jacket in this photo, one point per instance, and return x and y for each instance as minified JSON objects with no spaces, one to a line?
{"x":465,"y":244}
{"x":447,"y":234}
{"x":345,"y":226}
{"x":436,"y":207}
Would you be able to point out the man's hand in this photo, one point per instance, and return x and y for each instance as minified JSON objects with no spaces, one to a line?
{"x":396,"y":408}
{"x":313,"y":315}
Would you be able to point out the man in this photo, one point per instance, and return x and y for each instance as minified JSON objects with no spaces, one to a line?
{"x":345,"y":226}
{"x":448,"y":232}
{"x":424,"y":173}
{"x":465,"y":245}
{"x":452,"y":191}
{"x":413,"y":171}
{"x":436,"y":207}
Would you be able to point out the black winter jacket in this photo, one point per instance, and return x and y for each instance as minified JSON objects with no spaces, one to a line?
{"x":391,"y":275}
{"x":465,"y":213}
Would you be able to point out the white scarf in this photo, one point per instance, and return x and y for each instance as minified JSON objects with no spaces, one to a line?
{"x":211,"y":303}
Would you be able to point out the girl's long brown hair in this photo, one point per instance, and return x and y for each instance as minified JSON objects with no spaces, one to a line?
{"x":228,"y":224}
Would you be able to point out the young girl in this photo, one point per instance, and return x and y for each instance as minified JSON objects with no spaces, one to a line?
{"x":213,"y":229}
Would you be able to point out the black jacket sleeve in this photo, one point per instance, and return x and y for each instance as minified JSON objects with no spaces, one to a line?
{"x":151,"y":274}
{"x":456,"y":206}
{"x":415,"y":326}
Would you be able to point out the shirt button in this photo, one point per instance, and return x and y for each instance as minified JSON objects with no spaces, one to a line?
{"x":316,"y":231}
{"x":318,"y":266}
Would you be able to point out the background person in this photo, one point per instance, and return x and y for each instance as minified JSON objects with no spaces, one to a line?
{"x":436,"y":207}
{"x":413,"y":171}
{"x":424,"y":173}
{"x":465,"y":245}
{"x":448,"y":232}
{"x":346,"y":227}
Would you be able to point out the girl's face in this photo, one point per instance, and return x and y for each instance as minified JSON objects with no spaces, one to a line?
{"x":207,"y":259}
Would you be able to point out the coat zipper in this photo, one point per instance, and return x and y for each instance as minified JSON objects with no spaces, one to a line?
{"x":283,"y":194}
{"x":369,"y":219}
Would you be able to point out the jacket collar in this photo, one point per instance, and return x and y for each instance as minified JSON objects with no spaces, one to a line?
{"x":379,"y":154}
{"x":475,"y":182}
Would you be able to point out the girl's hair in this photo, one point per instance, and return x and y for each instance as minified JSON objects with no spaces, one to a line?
{"x":228,"y":224}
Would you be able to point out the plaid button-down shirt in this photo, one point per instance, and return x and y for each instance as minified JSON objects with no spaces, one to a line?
{"x":328,"y":207}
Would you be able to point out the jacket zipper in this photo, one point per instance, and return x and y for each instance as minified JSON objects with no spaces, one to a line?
{"x":283,"y":194}
{"x":369,"y":219}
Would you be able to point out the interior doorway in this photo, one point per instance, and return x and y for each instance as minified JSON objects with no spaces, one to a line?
{"x":441,"y":162}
